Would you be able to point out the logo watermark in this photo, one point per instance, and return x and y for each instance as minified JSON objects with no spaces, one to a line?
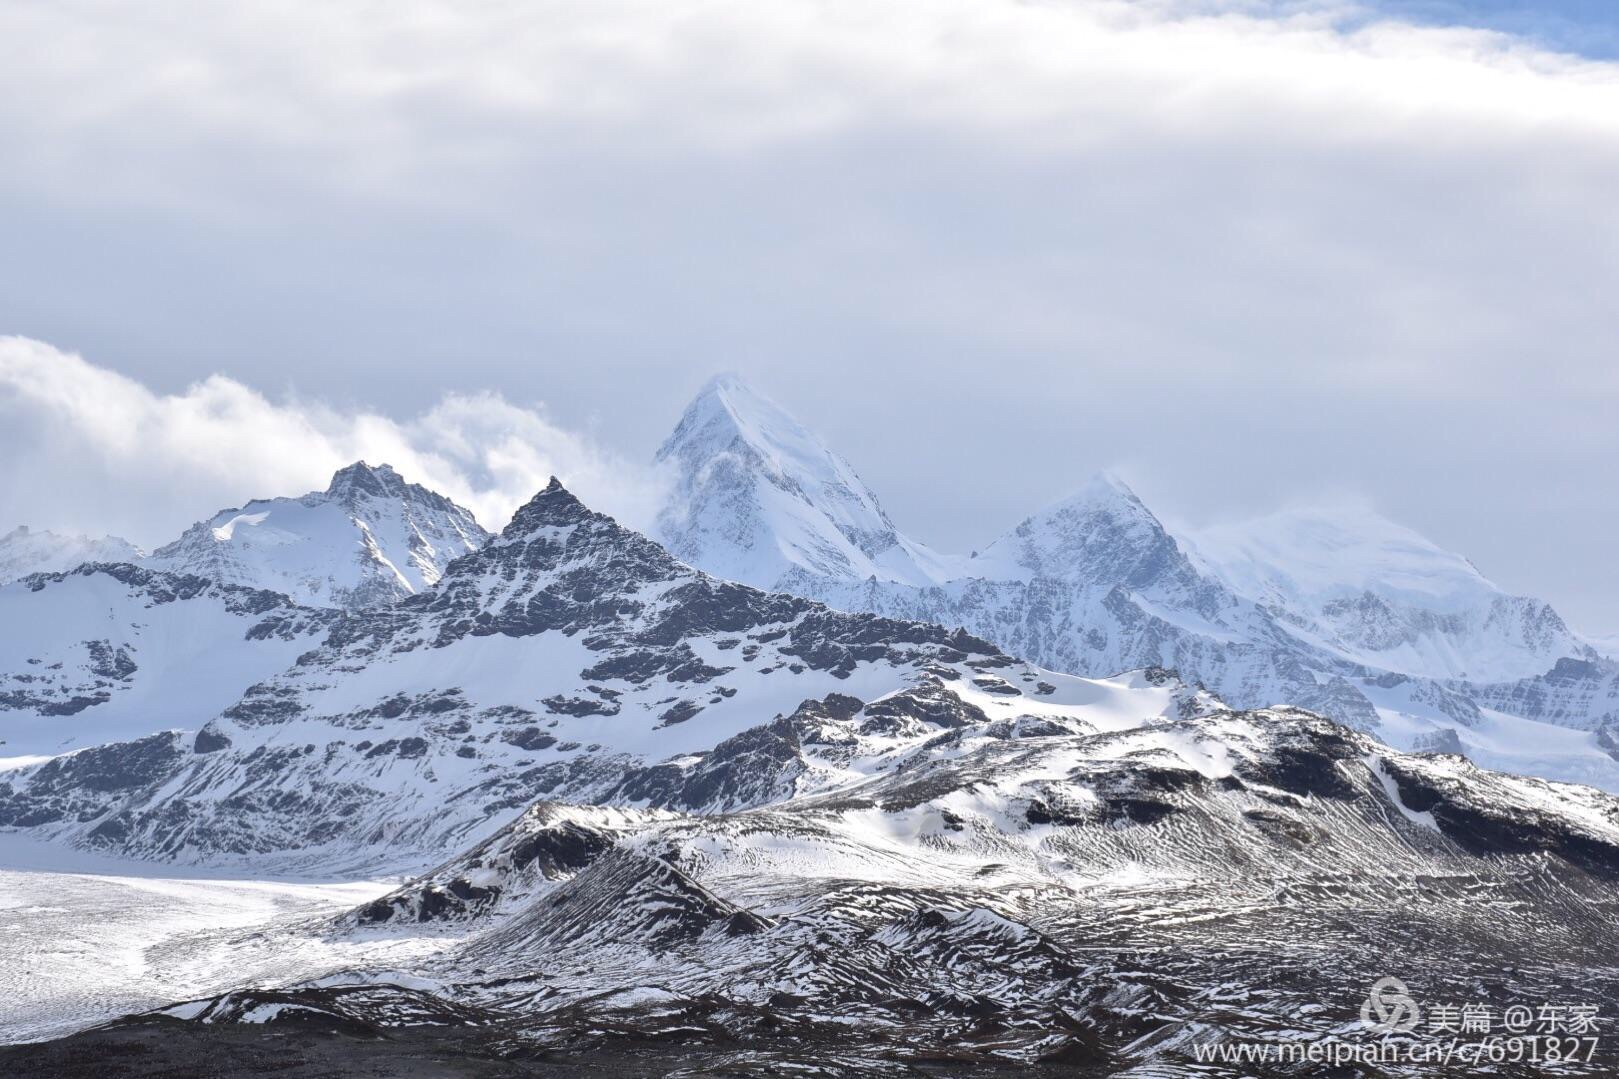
{"x":1395,"y":1029}
{"x":1390,"y":1001}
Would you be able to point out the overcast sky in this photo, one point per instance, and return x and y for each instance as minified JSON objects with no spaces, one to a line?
{"x":1244,"y":252}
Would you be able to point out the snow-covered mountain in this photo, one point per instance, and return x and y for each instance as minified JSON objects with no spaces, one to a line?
{"x":368,"y":539}
{"x":112,"y":652}
{"x":1340,"y":612}
{"x":723,"y":829}
{"x":24,"y":550}
{"x":762,"y":501}
{"x":568,"y":657}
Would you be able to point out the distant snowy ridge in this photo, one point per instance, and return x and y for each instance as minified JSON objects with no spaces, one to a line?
{"x":1341,"y":612}
{"x":24,"y":551}
{"x":370,"y":538}
{"x":1380,"y":594}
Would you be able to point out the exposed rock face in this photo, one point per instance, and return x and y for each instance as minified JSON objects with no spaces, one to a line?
{"x":1580,"y":693}
{"x":548,"y":842}
{"x":367,"y":540}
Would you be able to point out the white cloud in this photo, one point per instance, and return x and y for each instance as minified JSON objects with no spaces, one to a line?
{"x":399,"y":98}
{"x":106,"y":454}
{"x":1002,"y":241}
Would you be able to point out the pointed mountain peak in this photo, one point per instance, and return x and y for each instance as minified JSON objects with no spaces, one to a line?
{"x":553,"y":530}
{"x":1104,"y":489}
{"x":729,"y":410}
{"x":759,"y":498}
{"x":727,"y":382}
{"x":554,"y":507}
{"x":1101,"y":532}
{"x":1103,"y":495}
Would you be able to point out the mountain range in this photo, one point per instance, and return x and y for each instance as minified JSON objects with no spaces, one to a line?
{"x":1339,"y":611}
{"x":655,"y":818}
{"x":569,"y":657}
{"x":1336,"y":610}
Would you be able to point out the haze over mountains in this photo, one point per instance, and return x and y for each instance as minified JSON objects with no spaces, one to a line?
{"x":24,"y":550}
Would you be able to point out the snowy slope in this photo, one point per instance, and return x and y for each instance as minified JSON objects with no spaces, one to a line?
{"x":368,"y":539}
{"x":24,"y":551}
{"x":112,"y":652}
{"x":800,"y":835}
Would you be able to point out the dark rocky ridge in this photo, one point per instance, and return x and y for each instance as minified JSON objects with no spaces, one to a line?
{"x":661,"y":645}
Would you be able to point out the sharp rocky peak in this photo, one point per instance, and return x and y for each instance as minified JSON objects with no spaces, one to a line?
{"x":553,"y":507}
{"x":362,"y":478}
{"x":554,"y":530}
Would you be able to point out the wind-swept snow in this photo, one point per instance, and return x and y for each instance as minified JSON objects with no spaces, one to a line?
{"x":24,"y":550}
{"x":1380,"y":594}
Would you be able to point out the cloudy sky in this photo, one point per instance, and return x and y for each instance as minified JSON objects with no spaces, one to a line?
{"x":1245,"y":252}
